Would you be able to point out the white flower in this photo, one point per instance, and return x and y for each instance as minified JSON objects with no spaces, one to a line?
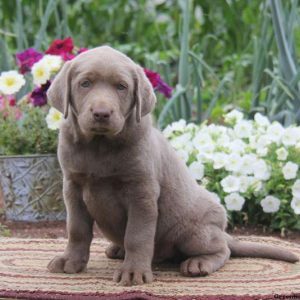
{"x":295,"y":204}
{"x":290,"y":170}
{"x":236,"y":146}
{"x":282,"y":154}
{"x":233,"y":117}
{"x":41,"y":73}
{"x":230,"y":184}
{"x":215,"y":196}
{"x":234,"y":201}
{"x":197,"y":170}
{"x":202,"y":139}
{"x":54,"y":62}
{"x":243,"y":129}
{"x":219,"y":160}
{"x":296,"y":189}
{"x":181,"y":141}
{"x":289,"y":136}
{"x":54,"y":118}
{"x":167,"y":132}
{"x":183,"y":154}
{"x":11,"y":82}
{"x":179,"y":125}
{"x":261,"y":120}
{"x":261,"y":170}
{"x":245,"y":182}
{"x":275,"y":131}
{"x":233,"y":162}
{"x":247,"y":164}
{"x":270,"y":204}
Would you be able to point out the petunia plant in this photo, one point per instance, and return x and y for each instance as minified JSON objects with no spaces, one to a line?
{"x":18,"y":132}
{"x":251,"y":167}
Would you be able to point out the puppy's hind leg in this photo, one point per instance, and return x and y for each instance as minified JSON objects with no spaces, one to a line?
{"x":114,"y":251}
{"x":207,"y":251}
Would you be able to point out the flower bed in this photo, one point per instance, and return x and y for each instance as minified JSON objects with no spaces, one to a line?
{"x":251,"y":167}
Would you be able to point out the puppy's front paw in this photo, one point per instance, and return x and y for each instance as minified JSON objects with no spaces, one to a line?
{"x":62,"y":264}
{"x":127,"y":276}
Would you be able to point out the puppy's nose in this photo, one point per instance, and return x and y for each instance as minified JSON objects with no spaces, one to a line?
{"x":102,"y":114}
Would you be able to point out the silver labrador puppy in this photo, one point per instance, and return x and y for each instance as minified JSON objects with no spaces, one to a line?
{"x":121,"y":172}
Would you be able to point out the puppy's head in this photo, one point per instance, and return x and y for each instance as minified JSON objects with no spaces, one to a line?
{"x":102,"y":87}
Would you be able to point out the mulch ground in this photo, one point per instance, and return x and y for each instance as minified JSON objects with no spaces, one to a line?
{"x":57,"y":230}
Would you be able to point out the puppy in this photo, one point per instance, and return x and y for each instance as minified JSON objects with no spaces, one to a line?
{"x":121,"y":173}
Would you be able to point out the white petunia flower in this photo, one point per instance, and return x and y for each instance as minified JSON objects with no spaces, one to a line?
{"x":290,"y":170}
{"x":233,"y":117}
{"x":179,"y":125}
{"x":236,"y":146}
{"x":181,"y":141}
{"x":289,"y":137}
{"x":245,"y":182}
{"x":282,"y":153}
{"x":219,"y":160}
{"x":296,"y":189}
{"x":197,"y":170}
{"x":261,"y":170}
{"x":270,"y":204}
{"x":54,"y":62}
{"x":233,"y":163}
{"x":234,"y":201}
{"x":261,"y":120}
{"x":247,"y":164}
{"x":54,"y":118}
{"x":41,"y":73}
{"x":255,"y":184}
{"x":183,"y":154}
{"x":11,"y":82}
{"x":202,"y":139}
{"x":295,"y":204}
{"x":167,"y":132}
{"x":243,"y":129}
{"x":275,"y":132}
{"x":230,"y":184}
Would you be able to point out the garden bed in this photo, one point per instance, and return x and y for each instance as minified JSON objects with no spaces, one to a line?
{"x":56,"y":229}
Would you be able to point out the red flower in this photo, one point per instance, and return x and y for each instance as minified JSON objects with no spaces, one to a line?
{"x":27,"y":59}
{"x":62,"y":47}
{"x":158,"y":83}
{"x":153,"y":77}
{"x":82,"y":50}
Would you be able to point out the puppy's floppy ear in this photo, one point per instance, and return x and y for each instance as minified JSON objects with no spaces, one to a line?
{"x":145,"y":98}
{"x":59,"y":93}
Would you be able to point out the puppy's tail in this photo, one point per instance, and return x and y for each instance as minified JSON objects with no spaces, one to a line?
{"x":251,"y":249}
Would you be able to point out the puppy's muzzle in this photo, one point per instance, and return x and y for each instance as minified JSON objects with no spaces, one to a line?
{"x":102,"y":115}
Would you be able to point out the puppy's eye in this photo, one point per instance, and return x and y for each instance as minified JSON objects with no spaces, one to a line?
{"x":85,"y":84}
{"x":121,"y":87}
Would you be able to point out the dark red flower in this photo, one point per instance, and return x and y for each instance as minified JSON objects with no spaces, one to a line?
{"x":153,"y":77}
{"x":158,"y":83}
{"x":81,"y":50}
{"x":61,"y":47}
{"x":38,"y":96}
{"x":26,"y":59}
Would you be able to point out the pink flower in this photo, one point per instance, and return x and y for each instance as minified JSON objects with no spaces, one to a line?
{"x":38,"y":96}
{"x":81,"y":50}
{"x":26,"y":59}
{"x":63,"y":48}
{"x":158,"y":83}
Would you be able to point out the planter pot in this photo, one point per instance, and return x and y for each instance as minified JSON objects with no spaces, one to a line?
{"x":32,"y":188}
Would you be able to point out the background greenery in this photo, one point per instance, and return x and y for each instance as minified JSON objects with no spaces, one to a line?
{"x":219,"y":54}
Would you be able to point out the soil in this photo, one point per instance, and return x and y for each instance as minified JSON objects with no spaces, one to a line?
{"x":58,"y":230}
